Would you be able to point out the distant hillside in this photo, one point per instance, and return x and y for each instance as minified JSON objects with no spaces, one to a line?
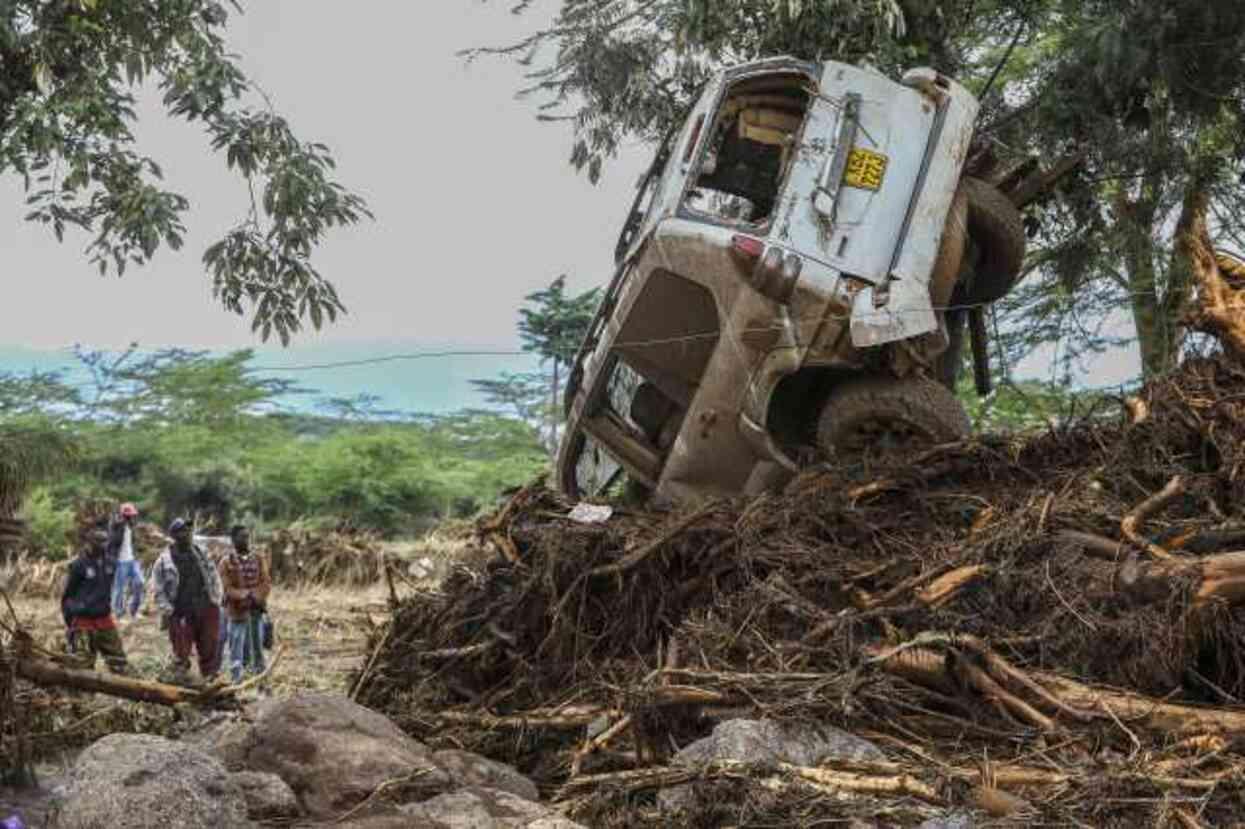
{"x":431,"y":384}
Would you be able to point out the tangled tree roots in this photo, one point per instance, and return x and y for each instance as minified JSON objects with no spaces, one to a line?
{"x":979,"y":603}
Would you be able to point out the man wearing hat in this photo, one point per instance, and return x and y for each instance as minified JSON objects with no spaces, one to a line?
{"x":188,"y":594}
{"x":86,"y":606}
{"x":129,"y":568}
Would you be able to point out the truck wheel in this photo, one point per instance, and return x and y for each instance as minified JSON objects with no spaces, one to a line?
{"x":996,"y":229}
{"x":889,"y":419}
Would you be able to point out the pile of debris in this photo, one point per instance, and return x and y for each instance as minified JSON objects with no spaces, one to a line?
{"x":343,"y":556}
{"x":1046,"y":629}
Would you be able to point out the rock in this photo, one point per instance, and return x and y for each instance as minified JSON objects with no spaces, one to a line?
{"x":228,"y":739}
{"x":135,"y":781}
{"x":267,"y":796}
{"x":766,"y":742}
{"x":479,"y":807}
{"x":334,"y":753}
{"x":481,"y":771}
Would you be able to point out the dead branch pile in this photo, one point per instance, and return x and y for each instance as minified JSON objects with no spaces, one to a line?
{"x":33,"y":576}
{"x":1048,"y":627}
{"x":344,"y":556}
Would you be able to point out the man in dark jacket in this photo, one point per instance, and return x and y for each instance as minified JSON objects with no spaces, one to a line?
{"x":86,"y":606}
{"x":188,"y":594}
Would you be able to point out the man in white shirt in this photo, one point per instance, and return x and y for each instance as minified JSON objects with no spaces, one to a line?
{"x":129,"y":580}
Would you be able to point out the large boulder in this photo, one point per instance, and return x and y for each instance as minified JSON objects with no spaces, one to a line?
{"x":136,"y":781}
{"x":334,"y":754}
{"x":765,"y":742}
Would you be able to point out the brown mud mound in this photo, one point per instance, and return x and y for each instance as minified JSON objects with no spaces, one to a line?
{"x":977,"y":615}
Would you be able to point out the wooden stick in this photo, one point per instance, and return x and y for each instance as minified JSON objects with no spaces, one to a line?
{"x":599,"y":742}
{"x":944,"y":588}
{"x":1040,"y":182}
{"x":371,"y":662}
{"x":569,"y":718}
{"x":996,"y":694}
{"x":1005,"y":672}
{"x":638,"y":555}
{"x":924,"y":666}
{"x":1174,"y":489}
{"x":1138,"y":410}
{"x":826,"y":780}
{"x":1096,"y":546}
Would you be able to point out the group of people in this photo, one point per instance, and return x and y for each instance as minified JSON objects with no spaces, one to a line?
{"x":205,"y":606}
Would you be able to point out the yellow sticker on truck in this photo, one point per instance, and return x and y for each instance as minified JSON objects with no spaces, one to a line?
{"x":865,"y":169}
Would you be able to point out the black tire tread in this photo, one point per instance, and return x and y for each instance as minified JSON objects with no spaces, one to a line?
{"x":927,"y":404}
{"x":996,"y":228}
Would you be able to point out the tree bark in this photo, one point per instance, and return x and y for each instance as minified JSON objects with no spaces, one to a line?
{"x":48,"y":674}
{"x":927,"y":667}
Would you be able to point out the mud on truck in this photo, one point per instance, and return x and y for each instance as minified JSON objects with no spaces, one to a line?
{"x":790,"y":283}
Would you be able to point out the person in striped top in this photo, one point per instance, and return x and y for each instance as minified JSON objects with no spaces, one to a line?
{"x":247,"y":584}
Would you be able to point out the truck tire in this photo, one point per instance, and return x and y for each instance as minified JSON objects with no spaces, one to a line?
{"x":888,"y":419}
{"x":997,"y":232}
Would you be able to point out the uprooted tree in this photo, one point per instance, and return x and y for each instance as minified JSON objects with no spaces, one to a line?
{"x":69,"y":73}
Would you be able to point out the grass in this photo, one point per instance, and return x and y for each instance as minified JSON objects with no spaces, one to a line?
{"x":323,"y":630}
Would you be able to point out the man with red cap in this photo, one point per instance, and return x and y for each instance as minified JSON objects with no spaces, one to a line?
{"x":129,"y":569}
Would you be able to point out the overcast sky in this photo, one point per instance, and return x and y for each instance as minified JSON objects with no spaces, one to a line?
{"x":475,"y":203}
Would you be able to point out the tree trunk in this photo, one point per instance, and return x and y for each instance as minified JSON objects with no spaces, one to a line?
{"x":47,"y":674}
{"x":1157,"y":331}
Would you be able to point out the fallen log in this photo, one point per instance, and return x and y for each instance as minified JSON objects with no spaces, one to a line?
{"x":927,"y":667}
{"x":48,"y":674}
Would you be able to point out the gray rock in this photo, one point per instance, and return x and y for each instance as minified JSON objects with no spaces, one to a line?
{"x":764,"y":742}
{"x":136,"y":781}
{"x":334,"y":753}
{"x":480,"y":771}
{"x":267,"y":796}
{"x":479,"y":807}
{"x":226,"y":739}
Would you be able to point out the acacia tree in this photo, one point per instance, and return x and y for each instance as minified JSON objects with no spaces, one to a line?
{"x":552,"y":326}
{"x":69,"y":70}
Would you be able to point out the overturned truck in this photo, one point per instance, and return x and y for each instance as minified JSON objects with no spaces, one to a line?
{"x":792,"y":280}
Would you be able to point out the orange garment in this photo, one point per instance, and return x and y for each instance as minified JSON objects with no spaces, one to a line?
{"x":247,"y":583}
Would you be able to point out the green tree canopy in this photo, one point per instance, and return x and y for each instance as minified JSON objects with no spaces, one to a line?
{"x":69,"y":72}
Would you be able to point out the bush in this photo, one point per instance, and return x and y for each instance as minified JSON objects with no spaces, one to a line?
{"x":50,"y":527}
